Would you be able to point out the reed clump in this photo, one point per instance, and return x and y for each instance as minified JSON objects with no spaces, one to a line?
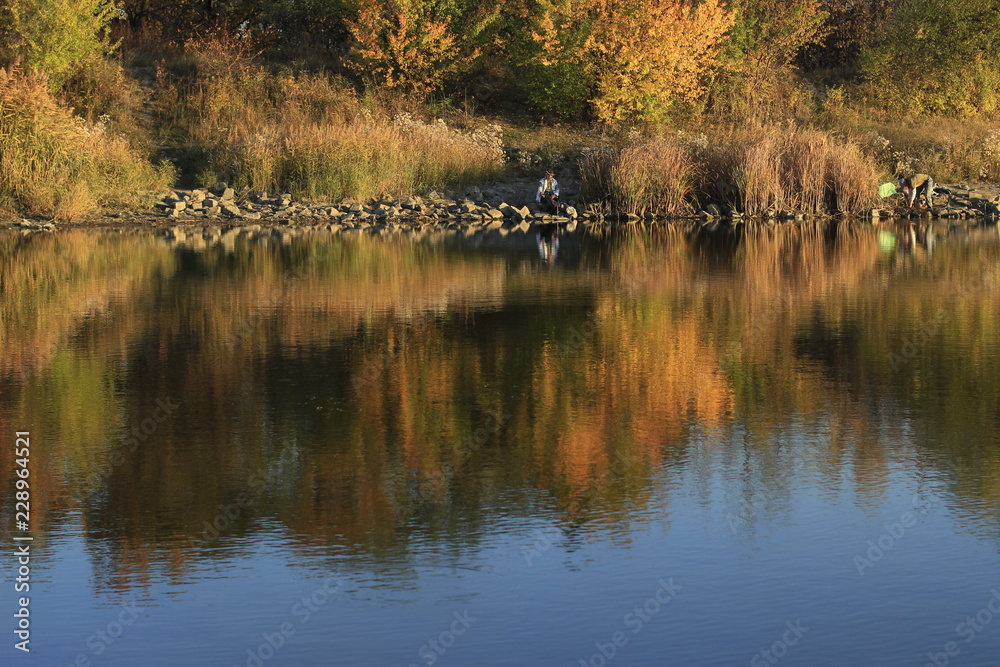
{"x":758,"y":172}
{"x":655,"y":175}
{"x":55,"y":164}
{"x":309,"y":134}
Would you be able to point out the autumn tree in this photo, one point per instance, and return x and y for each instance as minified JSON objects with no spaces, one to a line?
{"x":653,"y":57}
{"x":638,"y":60}
{"x":415,"y":46}
{"x":554,"y":55}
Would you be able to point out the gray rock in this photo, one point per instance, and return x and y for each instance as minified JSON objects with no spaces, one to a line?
{"x":231,"y":209}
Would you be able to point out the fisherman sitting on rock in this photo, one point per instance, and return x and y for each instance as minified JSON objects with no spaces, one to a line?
{"x":548,"y":193}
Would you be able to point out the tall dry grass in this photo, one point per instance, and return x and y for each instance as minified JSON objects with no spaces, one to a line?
{"x":655,"y":175}
{"x":758,"y":171}
{"x":309,"y":134}
{"x":55,"y":164}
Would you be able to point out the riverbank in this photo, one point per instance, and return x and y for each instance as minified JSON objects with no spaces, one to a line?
{"x":506,"y":206}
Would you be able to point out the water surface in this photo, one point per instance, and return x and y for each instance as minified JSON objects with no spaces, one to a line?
{"x":661,"y":447}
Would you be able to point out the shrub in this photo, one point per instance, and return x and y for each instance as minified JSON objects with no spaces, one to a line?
{"x":415,"y":46}
{"x":765,"y":38}
{"x":937,"y":57}
{"x":653,"y":57}
{"x":55,"y":164}
{"x":56,"y":36}
{"x":103,"y":89}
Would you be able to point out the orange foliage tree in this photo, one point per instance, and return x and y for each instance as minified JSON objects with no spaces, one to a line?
{"x":400,"y":44}
{"x":654,"y":56}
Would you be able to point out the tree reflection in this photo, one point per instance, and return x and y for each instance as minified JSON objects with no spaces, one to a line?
{"x":425,"y":386}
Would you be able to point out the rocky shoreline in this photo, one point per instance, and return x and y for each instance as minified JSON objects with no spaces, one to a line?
{"x":474,"y":210}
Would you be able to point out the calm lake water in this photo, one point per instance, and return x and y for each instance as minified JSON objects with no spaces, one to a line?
{"x":658,"y":447}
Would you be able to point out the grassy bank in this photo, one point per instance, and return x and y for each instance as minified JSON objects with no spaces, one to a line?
{"x":55,"y":164}
{"x":219,"y":113}
{"x":309,"y":133}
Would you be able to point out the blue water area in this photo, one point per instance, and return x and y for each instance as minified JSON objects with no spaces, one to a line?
{"x":661,"y":446}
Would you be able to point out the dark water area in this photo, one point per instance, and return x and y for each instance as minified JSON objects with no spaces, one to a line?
{"x":656,"y":447}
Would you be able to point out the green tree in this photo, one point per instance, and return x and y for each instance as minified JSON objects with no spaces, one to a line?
{"x":56,"y":36}
{"x":553,"y":56}
{"x":937,"y":57}
{"x":765,"y":39}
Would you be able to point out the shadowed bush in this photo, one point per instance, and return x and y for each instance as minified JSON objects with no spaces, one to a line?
{"x":55,"y":164}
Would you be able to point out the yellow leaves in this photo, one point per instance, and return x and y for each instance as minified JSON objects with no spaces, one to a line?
{"x":655,"y":55}
{"x":643,"y":57}
{"x":398,"y":46}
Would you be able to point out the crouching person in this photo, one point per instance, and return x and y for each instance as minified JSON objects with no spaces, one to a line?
{"x":547,"y":196}
{"x":916,"y":185}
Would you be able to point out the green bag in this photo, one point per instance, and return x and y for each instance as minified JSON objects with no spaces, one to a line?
{"x":886,"y":189}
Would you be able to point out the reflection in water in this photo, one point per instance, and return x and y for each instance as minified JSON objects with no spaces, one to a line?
{"x":386,"y":405}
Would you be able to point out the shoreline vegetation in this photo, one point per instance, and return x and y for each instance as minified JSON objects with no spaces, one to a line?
{"x":780,"y":109}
